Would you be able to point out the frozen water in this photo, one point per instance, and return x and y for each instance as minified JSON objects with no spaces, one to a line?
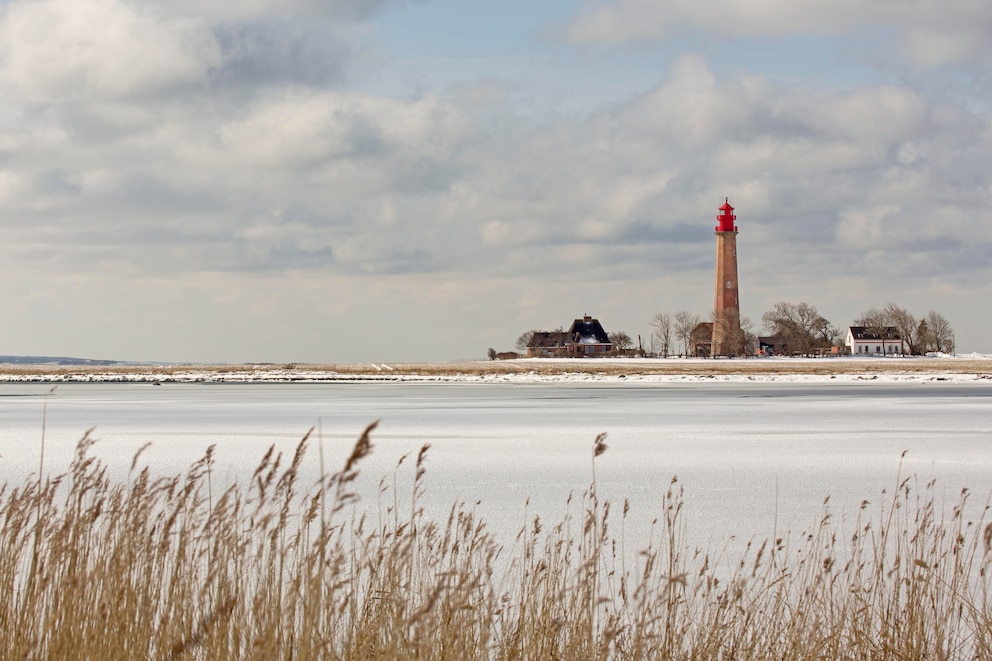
{"x":755,"y":458}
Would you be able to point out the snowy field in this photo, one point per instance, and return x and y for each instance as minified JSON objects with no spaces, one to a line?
{"x":965,"y":367}
{"x":756,"y":454}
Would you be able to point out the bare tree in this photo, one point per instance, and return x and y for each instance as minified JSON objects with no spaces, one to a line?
{"x":825,"y":333}
{"x":876,"y":322}
{"x":940,"y":334}
{"x":621,"y":341}
{"x":873,"y":320}
{"x":931,"y":333}
{"x":491,"y":353}
{"x":749,"y":340}
{"x":524,"y":341}
{"x":661,"y":330}
{"x":683,"y":323}
{"x":905,"y":324}
{"x":801,"y":328}
{"x":934,"y":333}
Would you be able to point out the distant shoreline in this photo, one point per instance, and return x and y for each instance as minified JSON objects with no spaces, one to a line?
{"x":962,"y":368}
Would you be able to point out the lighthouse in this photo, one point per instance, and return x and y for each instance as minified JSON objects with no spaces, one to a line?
{"x":728,"y":340}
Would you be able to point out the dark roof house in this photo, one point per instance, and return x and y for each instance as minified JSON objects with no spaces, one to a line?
{"x":860,"y":340}
{"x":586,"y":337}
{"x":772,"y":345}
{"x":861,"y":333}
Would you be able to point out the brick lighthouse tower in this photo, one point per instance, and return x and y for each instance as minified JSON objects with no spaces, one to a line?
{"x":728,"y":340}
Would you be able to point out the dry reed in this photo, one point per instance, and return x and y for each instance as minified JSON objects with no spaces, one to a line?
{"x":170,"y":568}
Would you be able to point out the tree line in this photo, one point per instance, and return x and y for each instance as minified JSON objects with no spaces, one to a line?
{"x":667,"y":329}
{"x":929,"y":333}
{"x":798,"y":329}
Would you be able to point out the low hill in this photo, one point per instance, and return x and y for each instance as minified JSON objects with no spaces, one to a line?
{"x":53,"y":360}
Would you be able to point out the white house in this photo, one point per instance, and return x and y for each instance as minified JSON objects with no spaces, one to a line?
{"x":861,"y":342}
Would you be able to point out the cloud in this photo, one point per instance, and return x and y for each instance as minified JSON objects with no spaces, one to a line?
{"x":229,"y":154}
{"x":53,"y":51}
{"x":59,"y":50}
{"x":321,"y":129}
{"x":246,"y":11}
{"x":812,"y":168}
{"x":927,"y":33}
{"x":280,"y":52}
{"x":374,"y":184}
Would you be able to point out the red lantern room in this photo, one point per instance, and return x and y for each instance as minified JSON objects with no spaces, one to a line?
{"x":726,"y":218}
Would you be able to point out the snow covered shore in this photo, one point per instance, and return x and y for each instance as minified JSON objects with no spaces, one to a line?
{"x":962,"y":368}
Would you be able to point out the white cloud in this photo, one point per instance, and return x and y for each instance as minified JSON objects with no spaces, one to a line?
{"x":125,"y":158}
{"x":635,"y":195}
{"x":249,"y":10}
{"x":879,"y":114}
{"x":324,"y":127}
{"x":10,"y":184}
{"x":865,"y":228}
{"x":56,"y":50}
{"x":925,"y":32}
{"x":621,"y":21}
{"x":496,"y":232}
{"x":690,"y":105}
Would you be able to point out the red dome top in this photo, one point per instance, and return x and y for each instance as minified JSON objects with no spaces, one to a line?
{"x":726,"y":218}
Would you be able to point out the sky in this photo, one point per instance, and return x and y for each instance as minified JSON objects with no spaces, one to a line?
{"x":419,"y":180}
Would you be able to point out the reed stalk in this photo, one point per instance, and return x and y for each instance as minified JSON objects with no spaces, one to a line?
{"x":174,"y":568}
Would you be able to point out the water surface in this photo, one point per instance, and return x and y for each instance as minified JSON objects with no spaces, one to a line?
{"x":755,"y":459}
